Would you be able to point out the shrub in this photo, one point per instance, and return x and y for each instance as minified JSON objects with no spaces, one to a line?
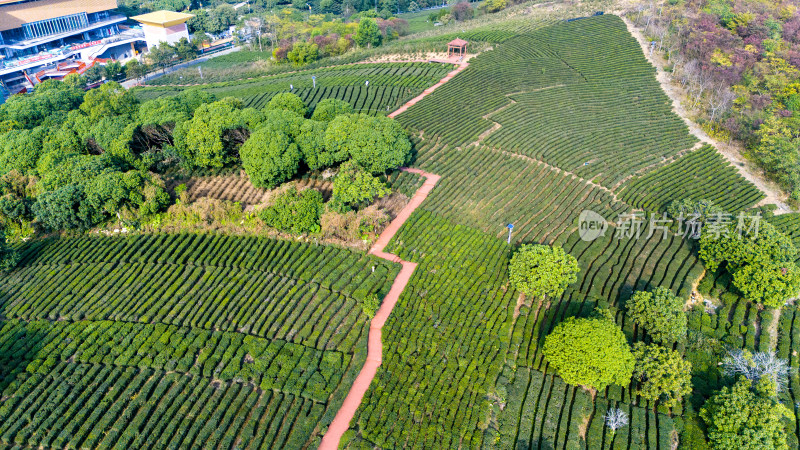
{"x":295,"y":212}
{"x":354,"y":186}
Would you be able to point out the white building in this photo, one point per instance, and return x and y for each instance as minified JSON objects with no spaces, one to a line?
{"x":163,"y":26}
{"x":39,"y":34}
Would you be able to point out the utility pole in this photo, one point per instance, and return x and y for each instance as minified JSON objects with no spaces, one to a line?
{"x":200,"y":69}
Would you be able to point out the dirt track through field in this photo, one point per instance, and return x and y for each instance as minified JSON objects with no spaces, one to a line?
{"x":448,"y":77}
{"x":341,"y":422}
{"x":346,"y":413}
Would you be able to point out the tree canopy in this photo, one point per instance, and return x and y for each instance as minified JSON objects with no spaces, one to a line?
{"x":326,"y":110}
{"x":206,"y":141}
{"x":354,"y":186}
{"x":762,"y":263}
{"x":662,"y":374}
{"x":376,"y":143}
{"x":288,"y":101}
{"x":590,"y":352}
{"x":660,"y":313}
{"x":270,"y":157}
{"x":368,"y":33}
{"x":539,"y":270}
{"x":746,"y":417}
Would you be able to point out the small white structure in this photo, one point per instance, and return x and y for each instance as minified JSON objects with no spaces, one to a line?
{"x":163,"y":26}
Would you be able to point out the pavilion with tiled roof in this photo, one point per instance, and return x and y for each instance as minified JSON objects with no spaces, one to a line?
{"x":457,"y":47}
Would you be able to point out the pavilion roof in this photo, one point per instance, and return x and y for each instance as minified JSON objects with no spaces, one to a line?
{"x":458,"y":42}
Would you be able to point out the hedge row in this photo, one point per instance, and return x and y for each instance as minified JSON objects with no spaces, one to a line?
{"x":445,"y":341}
{"x":290,"y":368}
{"x":97,"y":406}
{"x":488,"y":190}
{"x":302,"y":293}
{"x":703,"y":174}
{"x":544,"y":412}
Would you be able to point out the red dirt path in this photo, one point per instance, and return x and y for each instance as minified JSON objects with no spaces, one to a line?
{"x":444,"y":80}
{"x":346,"y":413}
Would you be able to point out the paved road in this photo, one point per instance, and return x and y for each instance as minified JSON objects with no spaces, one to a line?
{"x":159,"y":74}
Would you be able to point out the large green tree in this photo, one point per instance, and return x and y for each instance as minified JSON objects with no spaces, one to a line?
{"x":368,"y":34}
{"x":311,"y":141}
{"x":746,"y":417}
{"x":288,"y":101}
{"x":48,"y":100}
{"x":539,"y":270}
{"x":270,"y":157}
{"x":20,"y":149}
{"x":210,"y":139}
{"x":590,"y":352}
{"x":326,"y":110}
{"x":662,"y":374}
{"x":377,"y":143}
{"x":660,"y":313}
{"x":110,"y":99}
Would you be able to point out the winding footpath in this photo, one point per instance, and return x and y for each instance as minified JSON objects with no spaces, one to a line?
{"x":348,"y":409}
{"x":341,"y":422}
{"x":461,"y":66}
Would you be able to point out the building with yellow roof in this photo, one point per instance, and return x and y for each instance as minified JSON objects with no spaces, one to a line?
{"x":163,"y":26}
{"x":40,"y":34}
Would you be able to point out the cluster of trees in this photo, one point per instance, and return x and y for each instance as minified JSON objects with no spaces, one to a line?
{"x":459,"y":12}
{"x":302,"y":40}
{"x":157,"y":58}
{"x":739,"y":61}
{"x":71,"y":160}
{"x":283,"y":141}
{"x":761,"y":261}
{"x":67,"y":158}
{"x":293,"y":34}
{"x":218,"y":10}
{"x":595,"y":353}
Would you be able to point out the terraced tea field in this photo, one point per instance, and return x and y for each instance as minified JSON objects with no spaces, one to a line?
{"x":179,"y":341}
{"x":701,"y":174}
{"x":390,"y":85}
{"x":562,"y":119}
{"x":190,"y":341}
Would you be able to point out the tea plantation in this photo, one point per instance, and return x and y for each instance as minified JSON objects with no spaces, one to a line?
{"x":212,"y":341}
{"x":181,"y":341}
